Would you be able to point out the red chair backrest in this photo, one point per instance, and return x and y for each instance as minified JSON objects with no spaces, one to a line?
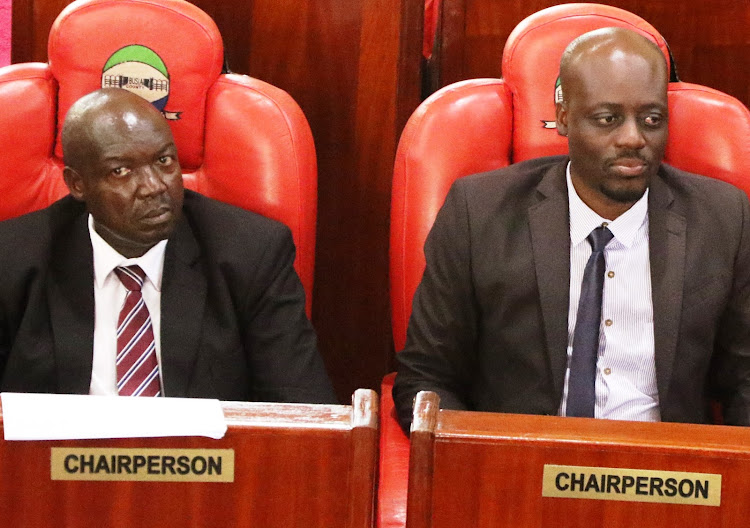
{"x":240,"y":140}
{"x":484,"y":124}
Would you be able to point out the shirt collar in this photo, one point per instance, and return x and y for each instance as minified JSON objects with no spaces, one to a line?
{"x":106,"y":259}
{"x":583,"y":219}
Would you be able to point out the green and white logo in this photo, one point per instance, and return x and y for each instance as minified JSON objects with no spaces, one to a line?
{"x":140,"y":70}
{"x":558,"y":99}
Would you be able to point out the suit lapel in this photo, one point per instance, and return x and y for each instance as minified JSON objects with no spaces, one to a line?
{"x":183,"y":300}
{"x":550,"y":241}
{"x":70,"y":294}
{"x":667,"y":234}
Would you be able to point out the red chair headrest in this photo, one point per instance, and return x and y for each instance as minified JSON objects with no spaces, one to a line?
{"x":709,"y":134}
{"x":175,"y":56}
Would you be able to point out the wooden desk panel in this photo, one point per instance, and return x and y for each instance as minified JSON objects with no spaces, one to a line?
{"x":485,"y":470}
{"x":295,"y":466}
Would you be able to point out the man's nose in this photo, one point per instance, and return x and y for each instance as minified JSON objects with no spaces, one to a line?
{"x":630,"y":135}
{"x":152,"y":181}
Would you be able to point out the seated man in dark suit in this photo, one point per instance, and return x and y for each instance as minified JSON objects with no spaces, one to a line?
{"x":132,"y":285}
{"x":604,"y":284}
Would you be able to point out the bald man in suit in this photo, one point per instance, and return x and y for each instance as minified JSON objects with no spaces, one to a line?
{"x":493,"y":325}
{"x":226,"y":307}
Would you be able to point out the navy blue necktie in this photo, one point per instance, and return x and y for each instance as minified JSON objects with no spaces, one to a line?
{"x":581,"y":383}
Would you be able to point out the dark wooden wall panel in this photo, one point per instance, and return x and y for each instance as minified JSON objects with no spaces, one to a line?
{"x":710,"y":40}
{"x":340,"y":60}
{"x":234,"y":20}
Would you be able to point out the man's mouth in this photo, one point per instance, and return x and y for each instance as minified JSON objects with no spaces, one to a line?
{"x":629,"y":166}
{"x":158,"y":215}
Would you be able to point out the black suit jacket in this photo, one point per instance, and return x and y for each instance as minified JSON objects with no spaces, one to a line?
{"x":233,"y":324}
{"x":489,"y":324}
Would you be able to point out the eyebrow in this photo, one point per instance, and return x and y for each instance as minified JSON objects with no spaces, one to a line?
{"x":126,"y":157}
{"x":617,"y":106}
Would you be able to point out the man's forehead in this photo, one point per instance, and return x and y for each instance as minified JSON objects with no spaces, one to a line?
{"x":123,"y":136}
{"x":125,"y":117}
{"x":615,"y":76}
{"x":612,"y":36}
{"x":129,"y":149}
{"x":130,"y":118}
{"x":127,"y":125}
{"x":613,"y":45}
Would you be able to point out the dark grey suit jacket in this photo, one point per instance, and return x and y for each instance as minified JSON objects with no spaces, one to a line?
{"x":233,"y":324}
{"x":489,"y":320}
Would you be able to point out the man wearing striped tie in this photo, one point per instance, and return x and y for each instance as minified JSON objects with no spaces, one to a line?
{"x":134,"y":286}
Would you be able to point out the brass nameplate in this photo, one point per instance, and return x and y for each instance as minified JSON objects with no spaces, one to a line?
{"x":163,"y":465}
{"x":637,"y":485}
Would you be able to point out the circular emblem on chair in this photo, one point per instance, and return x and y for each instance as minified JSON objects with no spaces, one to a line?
{"x":558,"y":99}
{"x":140,"y":70}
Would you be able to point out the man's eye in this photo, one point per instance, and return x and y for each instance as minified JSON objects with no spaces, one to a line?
{"x":165,"y":160}
{"x":120,"y":172}
{"x":653,"y":120}
{"x":605,"y":120}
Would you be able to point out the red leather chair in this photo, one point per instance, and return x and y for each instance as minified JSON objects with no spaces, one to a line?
{"x":240,"y":140}
{"x":483,"y":124}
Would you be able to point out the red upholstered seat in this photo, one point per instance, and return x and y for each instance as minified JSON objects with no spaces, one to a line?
{"x":483,"y":124}
{"x":240,"y":140}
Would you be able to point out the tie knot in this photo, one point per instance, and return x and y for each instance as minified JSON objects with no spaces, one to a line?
{"x":132,"y":277}
{"x":599,"y":238}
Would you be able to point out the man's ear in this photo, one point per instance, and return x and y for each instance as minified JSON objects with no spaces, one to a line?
{"x":75,"y":183}
{"x":561,"y":118}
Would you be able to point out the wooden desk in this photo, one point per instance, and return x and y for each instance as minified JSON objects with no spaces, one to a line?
{"x":482,"y":470}
{"x":295,"y":466}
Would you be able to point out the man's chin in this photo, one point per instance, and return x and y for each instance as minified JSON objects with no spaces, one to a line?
{"x":159,"y":227}
{"x":137,"y":241}
{"x":624,"y":195}
{"x":157,"y":234}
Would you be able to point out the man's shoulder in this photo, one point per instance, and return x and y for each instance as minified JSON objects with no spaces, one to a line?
{"x":30,"y":240}
{"x":215,"y":214}
{"x":532,"y":169}
{"x":513,"y":187}
{"x":245,"y":248}
{"x":222,"y":227}
{"x":43,"y":223}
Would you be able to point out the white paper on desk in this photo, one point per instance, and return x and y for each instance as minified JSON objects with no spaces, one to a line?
{"x":73,"y":417}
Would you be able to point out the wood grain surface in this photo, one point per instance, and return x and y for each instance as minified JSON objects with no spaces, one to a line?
{"x":485,"y":470}
{"x":295,"y":466}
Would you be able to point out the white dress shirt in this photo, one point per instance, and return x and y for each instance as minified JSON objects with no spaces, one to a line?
{"x":109,"y":297}
{"x":625,"y":371}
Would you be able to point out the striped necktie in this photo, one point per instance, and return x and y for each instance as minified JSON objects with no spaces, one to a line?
{"x":137,"y":366}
